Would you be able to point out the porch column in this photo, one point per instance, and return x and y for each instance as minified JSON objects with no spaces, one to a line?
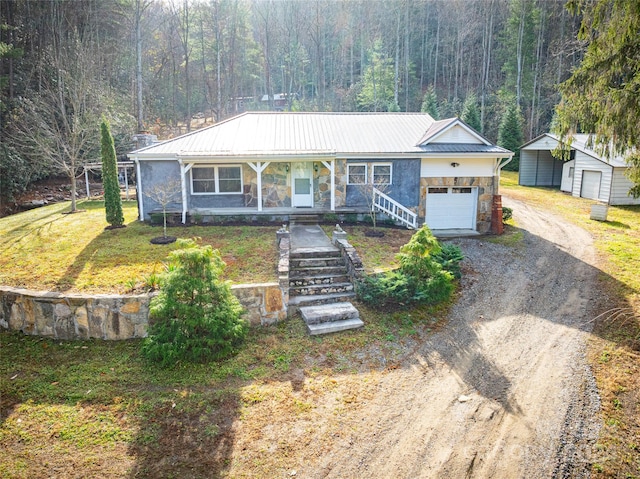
{"x":139,"y":197}
{"x":332,"y":173}
{"x":184,"y":169}
{"x":259,"y":167}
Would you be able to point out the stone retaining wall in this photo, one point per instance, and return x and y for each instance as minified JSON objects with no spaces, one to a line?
{"x":113,"y":317}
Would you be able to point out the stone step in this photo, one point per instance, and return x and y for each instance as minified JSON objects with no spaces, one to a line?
{"x":309,"y":219}
{"x":320,"y":289}
{"x":297,"y":302}
{"x":315,"y":253}
{"x":319,"y":279}
{"x":317,"y":271}
{"x":300,"y":263}
{"x":334,"y":326}
{"x":329,"y":312}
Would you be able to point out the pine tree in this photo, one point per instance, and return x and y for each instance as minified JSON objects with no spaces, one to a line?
{"x":430,"y":103}
{"x":195,"y":316}
{"x":471,"y":113}
{"x":510,"y":134}
{"x":112,"y":201}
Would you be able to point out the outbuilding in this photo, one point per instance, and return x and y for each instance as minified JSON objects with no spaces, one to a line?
{"x":585,"y":174}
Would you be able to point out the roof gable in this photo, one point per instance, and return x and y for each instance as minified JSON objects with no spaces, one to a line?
{"x":452,"y":130}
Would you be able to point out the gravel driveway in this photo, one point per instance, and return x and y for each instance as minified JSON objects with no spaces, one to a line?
{"x":504,"y":390}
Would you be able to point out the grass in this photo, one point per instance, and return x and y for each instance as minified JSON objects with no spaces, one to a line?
{"x":614,"y":348}
{"x":96,"y":408}
{"x":46,"y":249}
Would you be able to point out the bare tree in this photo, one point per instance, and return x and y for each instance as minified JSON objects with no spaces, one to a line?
{"x":164,"y":194}
{"x":59,"y":125}
{"x":368,"y":192}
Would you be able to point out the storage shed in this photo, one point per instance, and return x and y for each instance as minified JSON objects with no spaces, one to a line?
{"x":587,"y":174}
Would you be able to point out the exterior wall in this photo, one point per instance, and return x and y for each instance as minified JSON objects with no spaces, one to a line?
{"x":568,"y":174}
{"x":441,"y":167}
{"x":276,"y":186}
{"x":539,"y":168}
{"x":154,"y":173}
{"x":486,"y":190}
{"x":341,"y":183}
{"x":113,"y":317}
{"x":620,"y":186}
{"x":405,"y":183}
{"x":586,"y":162}
{"x":457,"y":134}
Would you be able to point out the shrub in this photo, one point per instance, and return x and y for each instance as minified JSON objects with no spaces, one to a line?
{"x":112,"y":201}
{"x":507,"y":214}
{"x":195,"y":317}
{"x":426,"y":274}
{"x":449,"y":258}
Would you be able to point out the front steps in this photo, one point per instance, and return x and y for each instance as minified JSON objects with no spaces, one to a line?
{"x":320,"y":288}
{"x":330,"y":318}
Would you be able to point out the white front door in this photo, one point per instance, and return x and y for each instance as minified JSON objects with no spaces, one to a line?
{"x":302,"y":184}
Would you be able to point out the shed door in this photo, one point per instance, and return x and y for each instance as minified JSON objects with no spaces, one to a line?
{"x":590,"y":187}
{"x":451,"y":207}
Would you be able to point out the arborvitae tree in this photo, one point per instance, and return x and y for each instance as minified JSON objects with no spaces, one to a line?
{"x":510,"y":134}
{"x":112,"y":201}
{"x":195,"y":317}
{"x":471,"y":113}
{"x":430,"y":103}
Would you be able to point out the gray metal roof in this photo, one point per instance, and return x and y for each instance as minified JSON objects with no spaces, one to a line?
{"x":463,"y":148}
{"x":286,"y":134}
{"x":580,"y":142}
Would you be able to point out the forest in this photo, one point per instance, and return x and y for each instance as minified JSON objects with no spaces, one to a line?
{"x":169,"y":66}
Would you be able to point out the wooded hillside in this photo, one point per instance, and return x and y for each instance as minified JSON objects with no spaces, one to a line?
{"x":149,"y":65}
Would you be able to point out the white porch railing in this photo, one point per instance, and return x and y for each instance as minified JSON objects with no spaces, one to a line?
{"x":391,"y":207}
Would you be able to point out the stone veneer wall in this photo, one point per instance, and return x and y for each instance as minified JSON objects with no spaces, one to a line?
{"x":486,"y":186}
{"x":113,"y":317}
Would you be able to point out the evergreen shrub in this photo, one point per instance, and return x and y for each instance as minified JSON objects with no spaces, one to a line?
{"x":195,"y":317}
{"x":426,"y":274}
{"x":112,"y":201}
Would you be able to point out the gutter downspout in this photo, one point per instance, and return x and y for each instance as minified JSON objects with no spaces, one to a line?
{"x":183,"y":185}
{"x":496,"y":172}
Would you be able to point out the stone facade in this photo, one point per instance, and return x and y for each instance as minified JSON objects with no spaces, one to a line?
{"x":485,"y":185}
{"x":113,"y":317}
{"x":276,"y":190}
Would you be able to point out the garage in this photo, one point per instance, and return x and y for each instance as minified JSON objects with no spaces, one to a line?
{"x":451,"y":207}
{"x":590,"y":184}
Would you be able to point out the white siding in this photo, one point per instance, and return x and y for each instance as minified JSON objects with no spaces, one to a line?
{"x":586,"y":162}
{"x":620,"y":187}
{"x":457,"y":134}
{"x":441,"y":167}
{"x":568,"y":174}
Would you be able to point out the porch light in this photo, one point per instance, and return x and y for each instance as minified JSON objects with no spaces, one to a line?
{"x":286,"y":167}
{"x":315,"y":167}
{"x":455,"y":165}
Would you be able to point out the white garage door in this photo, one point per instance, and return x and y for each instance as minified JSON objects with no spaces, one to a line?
{"x":590,"y":184}
{"x":452,"y":207}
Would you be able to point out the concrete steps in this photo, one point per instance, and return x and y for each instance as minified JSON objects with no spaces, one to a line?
{"x":331,"y":318}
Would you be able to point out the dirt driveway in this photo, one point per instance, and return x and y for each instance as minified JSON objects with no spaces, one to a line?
{"x":503,"y":391}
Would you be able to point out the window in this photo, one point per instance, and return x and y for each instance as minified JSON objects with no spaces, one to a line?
{"x":438,"y":191}
{"x":216,"y":179}
{"x":356,"y":174}
{"x":571,"y":170}
{"x":466,"y":191}
{"x":382,"y":174}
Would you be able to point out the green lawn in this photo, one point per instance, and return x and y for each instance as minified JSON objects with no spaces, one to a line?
{"x":47,"y":249}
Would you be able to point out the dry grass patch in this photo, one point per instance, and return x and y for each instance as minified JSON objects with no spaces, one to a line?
{"x":614,"y":349}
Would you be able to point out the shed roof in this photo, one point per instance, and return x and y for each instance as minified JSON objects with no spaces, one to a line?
{"x":580,"y":142}
{"x":287,"y":133}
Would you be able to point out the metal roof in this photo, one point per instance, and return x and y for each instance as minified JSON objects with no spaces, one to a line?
{"x":580,"y":141}
{"x":464,"y":148}
{"x":290,"y":133}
